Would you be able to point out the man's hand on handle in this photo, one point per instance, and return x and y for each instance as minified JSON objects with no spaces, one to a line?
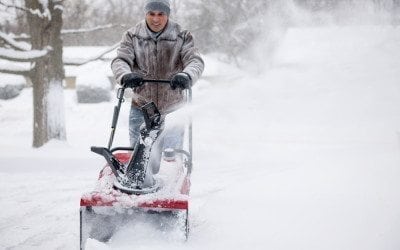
{"x":132,"y":80}
{"x":181,"y":80}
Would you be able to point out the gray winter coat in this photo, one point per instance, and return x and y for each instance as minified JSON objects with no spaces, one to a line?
{"x":172,"y":52}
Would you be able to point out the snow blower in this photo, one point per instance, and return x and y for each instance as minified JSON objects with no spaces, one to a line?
{"x":128,"y":185}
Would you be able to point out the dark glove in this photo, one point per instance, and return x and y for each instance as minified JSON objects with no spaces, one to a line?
{"x":181,"y":80}
{"x":131,"y":80}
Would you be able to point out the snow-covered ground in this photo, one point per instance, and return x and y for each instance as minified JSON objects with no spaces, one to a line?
{"x":305,"y":155}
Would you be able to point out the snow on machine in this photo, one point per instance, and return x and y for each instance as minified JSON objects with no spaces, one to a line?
{"x":133,"y":183}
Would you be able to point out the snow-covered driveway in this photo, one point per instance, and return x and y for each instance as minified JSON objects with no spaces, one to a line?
{"x":305,"y":155}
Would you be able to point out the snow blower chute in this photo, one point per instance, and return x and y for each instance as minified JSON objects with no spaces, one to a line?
{"x":133,"y":183}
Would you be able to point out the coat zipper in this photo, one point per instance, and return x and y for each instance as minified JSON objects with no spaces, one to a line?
{"x":156,"y":70}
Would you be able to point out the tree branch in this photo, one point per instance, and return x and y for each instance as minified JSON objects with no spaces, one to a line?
{"x":13,"y":6}
{"x":22,"y":38}
{"x":78,"y":31}
{"x":14,"y":44}
{"x":22,"y":56}
{"x":75,"y":31}
{"x":74,"y":62}
{"x":15,"y":68}
{"x":13,"y":72}
{"x":44,"y":14}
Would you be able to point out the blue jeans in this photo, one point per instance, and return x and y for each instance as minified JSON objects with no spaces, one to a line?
{"x":169,"y":138}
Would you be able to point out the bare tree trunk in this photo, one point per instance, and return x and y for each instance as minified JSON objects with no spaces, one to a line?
{"x":47,"y":74}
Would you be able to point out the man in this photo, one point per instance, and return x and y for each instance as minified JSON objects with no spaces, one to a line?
{"x":156,"y":48}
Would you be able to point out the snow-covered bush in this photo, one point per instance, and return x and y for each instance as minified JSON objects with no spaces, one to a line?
{"x":11,"y":86}
{"x":93,"y":88}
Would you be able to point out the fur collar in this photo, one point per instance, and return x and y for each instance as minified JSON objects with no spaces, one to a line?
{"x":171,"y":31}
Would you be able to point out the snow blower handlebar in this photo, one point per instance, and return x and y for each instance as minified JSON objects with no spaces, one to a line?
{"x":120,"y":96}
{"x":107,"y":153}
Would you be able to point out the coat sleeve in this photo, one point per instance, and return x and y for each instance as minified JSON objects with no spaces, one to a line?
{"x":123,"y":63}
{"x":192,"y":62}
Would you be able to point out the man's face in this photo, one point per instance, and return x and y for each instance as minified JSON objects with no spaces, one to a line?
{"x":156,"y":20}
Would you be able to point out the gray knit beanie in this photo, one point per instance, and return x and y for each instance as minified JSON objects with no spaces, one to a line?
{"x":157,"y":5}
